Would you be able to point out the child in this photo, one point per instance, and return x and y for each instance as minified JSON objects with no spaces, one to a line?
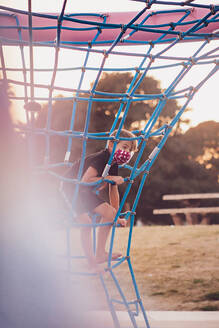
{"x":88,"y":201}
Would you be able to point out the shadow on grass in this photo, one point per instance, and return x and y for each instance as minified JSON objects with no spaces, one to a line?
{"x":212,"y":296}
{"x":208,"y":308}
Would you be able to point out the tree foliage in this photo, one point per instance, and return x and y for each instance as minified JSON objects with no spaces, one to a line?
{"x":205,"y":144}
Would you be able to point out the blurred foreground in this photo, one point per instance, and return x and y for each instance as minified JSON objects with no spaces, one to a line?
{"x":35,"y":290}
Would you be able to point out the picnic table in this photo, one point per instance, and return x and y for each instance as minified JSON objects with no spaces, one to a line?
{"x":189,"y":211}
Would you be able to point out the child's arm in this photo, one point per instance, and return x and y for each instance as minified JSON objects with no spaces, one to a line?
{"x":91,"y":176}
{"x":114,"y":196}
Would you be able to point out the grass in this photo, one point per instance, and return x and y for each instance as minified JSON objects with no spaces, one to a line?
{"x":176,"y":267}
{"x":198,"y":281}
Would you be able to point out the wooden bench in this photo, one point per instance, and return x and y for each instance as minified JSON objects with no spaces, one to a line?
{"x":188,"y":211}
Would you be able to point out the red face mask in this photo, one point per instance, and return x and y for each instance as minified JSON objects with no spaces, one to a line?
{"x":121,"y":156}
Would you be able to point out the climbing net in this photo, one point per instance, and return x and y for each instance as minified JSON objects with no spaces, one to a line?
{"x":157,"y":33}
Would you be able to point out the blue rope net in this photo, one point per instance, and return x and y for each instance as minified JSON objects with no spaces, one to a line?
{"x":155,"y":56}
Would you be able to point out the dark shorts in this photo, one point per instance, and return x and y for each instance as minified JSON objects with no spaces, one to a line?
{"x":86,"y":201}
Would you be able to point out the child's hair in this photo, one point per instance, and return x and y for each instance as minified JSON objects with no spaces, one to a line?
{"x":125,"y":134}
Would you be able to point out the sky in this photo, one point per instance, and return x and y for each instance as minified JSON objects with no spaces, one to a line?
{"x":204,"y":107}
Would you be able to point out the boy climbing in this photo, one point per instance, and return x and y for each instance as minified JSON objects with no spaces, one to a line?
{"x":89,"y":201}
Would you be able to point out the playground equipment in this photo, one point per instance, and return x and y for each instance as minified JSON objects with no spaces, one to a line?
{"x":159,"y":32}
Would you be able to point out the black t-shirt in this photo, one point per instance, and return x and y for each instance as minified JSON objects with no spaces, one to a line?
{"x":87,"y":200}
{"x":98,"y":161}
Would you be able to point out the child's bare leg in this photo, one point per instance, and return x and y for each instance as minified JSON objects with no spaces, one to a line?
{"x":86,"y":241}
{"x":108,"y":214}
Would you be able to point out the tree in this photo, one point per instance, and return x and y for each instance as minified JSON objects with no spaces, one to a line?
{"x":60,"y":121}
{"x":205,"y":144}
{"x":138,"y":113}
